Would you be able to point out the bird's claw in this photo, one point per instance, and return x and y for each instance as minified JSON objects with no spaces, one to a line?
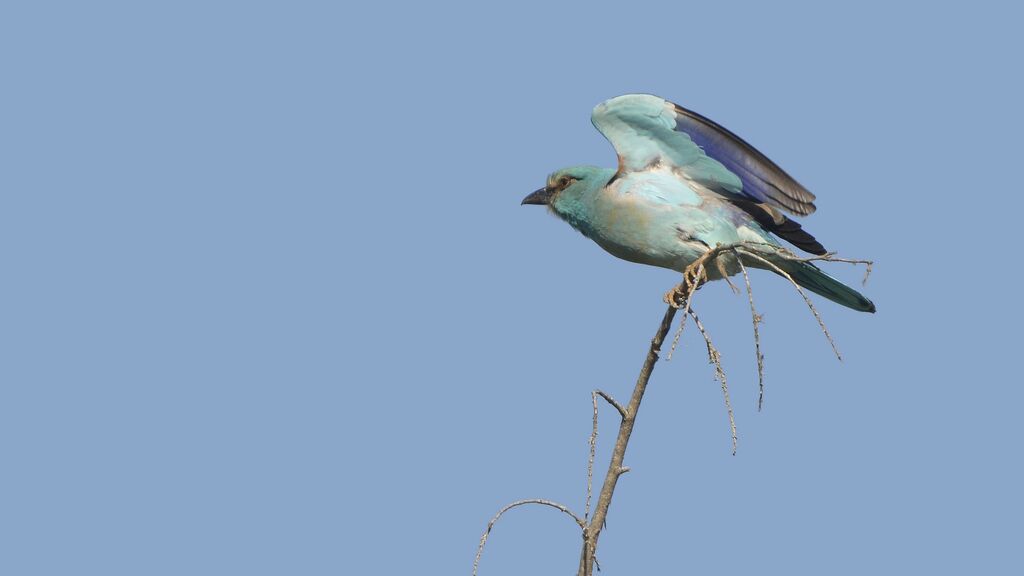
{"x":680,"y":293}
{"x":676,"y":297}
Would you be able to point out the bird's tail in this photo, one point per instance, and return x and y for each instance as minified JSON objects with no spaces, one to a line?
{"x":812,"y":278}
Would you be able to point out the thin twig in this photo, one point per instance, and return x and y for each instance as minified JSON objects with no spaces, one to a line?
{"x":790,"y":255}
{"x":826,"y":257}
{"x":756,"y":319}
{"x":867,"y":272}
{"x":716,"y":358}
{"x":807,"y":300}
{"x":610,"y":400}
{"x":675,"y":340}
{"x":483,"y":539}
{"x":590,"y":459}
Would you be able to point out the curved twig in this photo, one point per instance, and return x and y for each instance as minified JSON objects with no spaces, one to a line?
{"x":483,"y":539}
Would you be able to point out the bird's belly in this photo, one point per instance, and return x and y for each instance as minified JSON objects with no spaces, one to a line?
{"x":675,"y":259}
{"x":646,"y":236}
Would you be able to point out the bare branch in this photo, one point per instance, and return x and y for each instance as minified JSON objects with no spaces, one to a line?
{"x":610,"y":400}
{"x":716,"y":358}
{"x":681,"y":297}
{"x":483,"y":539}
{"x":756,"y":319}
{"x":592,"y":531}
{"x":593,"y":443}
{"x":827,"y":257}
{"x":675,"y":340}
{"x":590,"y":458}
{"x":807,"y":300}
{"x":789,"y":255}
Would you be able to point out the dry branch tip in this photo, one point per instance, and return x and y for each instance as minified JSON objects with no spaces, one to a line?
{"x":490,"y":525}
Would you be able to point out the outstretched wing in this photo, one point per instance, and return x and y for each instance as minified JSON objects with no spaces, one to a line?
{"x":646,"y":130}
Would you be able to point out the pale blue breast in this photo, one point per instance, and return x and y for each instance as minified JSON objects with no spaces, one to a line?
{"x":657,"y":219}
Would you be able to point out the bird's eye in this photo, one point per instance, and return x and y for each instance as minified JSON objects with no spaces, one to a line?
{"x":563,"y":181}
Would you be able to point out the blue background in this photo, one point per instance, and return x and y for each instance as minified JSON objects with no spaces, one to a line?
{"x":270,"y":304}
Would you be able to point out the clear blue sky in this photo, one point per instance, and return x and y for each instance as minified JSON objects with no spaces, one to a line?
{"x":270,"y":304}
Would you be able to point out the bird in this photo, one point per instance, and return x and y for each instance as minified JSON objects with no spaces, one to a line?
{"x":683,"y":186}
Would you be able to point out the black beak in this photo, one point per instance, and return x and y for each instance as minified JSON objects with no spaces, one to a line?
{"x":542,"y":196}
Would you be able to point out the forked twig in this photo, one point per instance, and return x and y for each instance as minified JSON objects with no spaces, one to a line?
{"x":826,"y":257}
{"x":807,"y":300}
{"x":615,"y":467}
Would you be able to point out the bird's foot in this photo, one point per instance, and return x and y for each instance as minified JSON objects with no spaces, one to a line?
{"x":676,"y":297}
{"x":680,"y":293}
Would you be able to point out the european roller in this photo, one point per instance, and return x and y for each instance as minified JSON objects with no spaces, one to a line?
{"x":684,"y":185}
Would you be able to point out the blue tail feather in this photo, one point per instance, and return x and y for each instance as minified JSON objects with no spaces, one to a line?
{"x":812,"y":278}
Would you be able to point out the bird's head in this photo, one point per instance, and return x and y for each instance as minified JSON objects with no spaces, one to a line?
{"x":567,"y":188}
